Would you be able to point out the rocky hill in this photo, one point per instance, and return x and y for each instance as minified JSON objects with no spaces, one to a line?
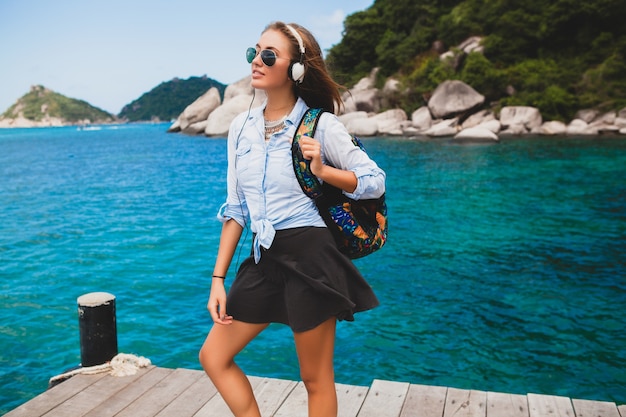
{"x":167,"y":100}
{"x":44,"y":107}
{"x":559,"y":56}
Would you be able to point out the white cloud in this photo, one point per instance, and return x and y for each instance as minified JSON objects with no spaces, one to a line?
{"x":328,"y":28}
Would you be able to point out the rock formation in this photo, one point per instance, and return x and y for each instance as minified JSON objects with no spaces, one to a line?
{"x":454,"y":110}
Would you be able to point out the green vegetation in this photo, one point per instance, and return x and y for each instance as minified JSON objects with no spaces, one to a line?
{"x":558,"y":56}
{"x":168,"y":100}
{"x":40,"y":102}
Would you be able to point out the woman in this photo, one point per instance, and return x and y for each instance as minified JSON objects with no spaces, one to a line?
{"x":295,"y":274}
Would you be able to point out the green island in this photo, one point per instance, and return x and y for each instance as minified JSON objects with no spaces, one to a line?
{"x":559,"y":56}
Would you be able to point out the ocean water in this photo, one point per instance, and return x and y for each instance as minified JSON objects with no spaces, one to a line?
{"x":504,"y":270}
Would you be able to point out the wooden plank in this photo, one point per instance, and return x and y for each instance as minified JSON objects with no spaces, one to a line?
{"x":424,"y":401}
{"x":465,"y":403}
{"x":271,"y":393}
{"x":51,"y":398}
{"x":587,"y":408}
{"x":94,"y":395}
{"x":296,"y":404}
{"x":540,"y":405}
{"x":216,"y":406}
{"x":192,"y":400}
{"x":161,"y":394}
{"x":122,"y":399}
{"x":350,"y":399}
{"x":506,"y":405}
{"x":384,"y":399}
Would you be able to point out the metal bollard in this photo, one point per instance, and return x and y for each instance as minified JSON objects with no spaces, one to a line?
{"x":98,"y":330}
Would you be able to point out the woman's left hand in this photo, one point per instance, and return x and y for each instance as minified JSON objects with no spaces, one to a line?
{"x":312,"y":150}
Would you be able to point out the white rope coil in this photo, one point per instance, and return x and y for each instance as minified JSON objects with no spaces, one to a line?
{"x":122,"y":364}
{"x":125,"y":364}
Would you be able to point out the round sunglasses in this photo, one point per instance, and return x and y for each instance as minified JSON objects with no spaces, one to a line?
{"x":267,"y":56}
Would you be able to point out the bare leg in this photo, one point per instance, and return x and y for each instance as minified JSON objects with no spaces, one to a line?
{"x":217,"y":356}
{"x":315,"y":350}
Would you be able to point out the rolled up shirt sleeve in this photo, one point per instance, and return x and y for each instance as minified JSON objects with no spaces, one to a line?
{"x":227,"y":212}
{"x":370,"y":183}
{"x":340,"y":152}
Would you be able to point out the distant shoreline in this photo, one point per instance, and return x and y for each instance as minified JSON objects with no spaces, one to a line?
{"x":415,"y":137}
{"x":81,"y":126}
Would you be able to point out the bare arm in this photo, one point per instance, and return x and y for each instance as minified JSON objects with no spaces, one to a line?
{"x":231,"y":232}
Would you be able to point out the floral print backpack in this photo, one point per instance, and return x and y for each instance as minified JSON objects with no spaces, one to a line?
{"x":358,"y":226}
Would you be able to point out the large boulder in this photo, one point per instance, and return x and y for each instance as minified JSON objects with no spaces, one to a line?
{"x":515,"y":130}
{"x":453,"y":97}
{"x":492,"y":125}
{"x":552,"y":128}
{"x":421,"y":119}
{"x":476,"y":135}
{"x":390,"y":122}
{"x":472,"y":44}
{"x":520,"y":119}
{"x":443,"y":128}
{"x":348,"y":117}
{"x":364,"y":96}
{"x":604,"y":123}
{"x":220,"y":119}
{"x":455,"y":56}
{"x":174,"y":127}
{"x":586,"y":115}
{"x":478,"y":118}
{"x":367,"y":126}
{"x":391,"y":87}
{"x":620,"y":122}
{"x":362,"y":100}
{"x":197,"y":128}
{"x":238,"y":88}
{"x":198,"y":116}
{"x":367,"y":83}
{"x":199,"y":110}
{"x":391,"y":93}
{"x":606,"y":118}
{"x":238,"y":97}
{"x":577,"y":127}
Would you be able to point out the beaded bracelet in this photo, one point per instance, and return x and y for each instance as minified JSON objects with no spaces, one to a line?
{"x":218,"y":276}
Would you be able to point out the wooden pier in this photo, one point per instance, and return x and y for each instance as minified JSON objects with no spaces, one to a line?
{"x":162,"y":392}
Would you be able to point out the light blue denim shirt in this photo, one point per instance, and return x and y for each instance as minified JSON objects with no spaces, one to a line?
{"x":263,"y":191}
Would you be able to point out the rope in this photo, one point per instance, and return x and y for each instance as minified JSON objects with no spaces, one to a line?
{"x":122,"y":364}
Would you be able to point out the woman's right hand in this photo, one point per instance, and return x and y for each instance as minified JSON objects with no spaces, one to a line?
{"x":217,"y":302}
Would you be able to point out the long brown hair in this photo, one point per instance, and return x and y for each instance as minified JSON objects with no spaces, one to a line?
{"x":318,"y":89}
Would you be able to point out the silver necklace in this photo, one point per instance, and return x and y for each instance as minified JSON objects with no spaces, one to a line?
{"x":273,"y":126}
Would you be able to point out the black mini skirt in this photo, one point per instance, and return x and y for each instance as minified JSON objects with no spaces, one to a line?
{"x":302,"y":280}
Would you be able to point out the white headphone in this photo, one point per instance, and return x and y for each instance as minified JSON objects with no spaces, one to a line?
{"x":296,"y":68}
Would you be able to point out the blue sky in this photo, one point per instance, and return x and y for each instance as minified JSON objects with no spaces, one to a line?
{"x":110,"y":52}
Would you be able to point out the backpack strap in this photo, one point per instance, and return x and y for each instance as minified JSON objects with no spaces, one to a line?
{"x":311,"y":186}
{"x":309,"y":183}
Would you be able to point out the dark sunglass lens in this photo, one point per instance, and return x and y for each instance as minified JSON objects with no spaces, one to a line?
{"x":268,"y":57}
{"x":250,"y":54}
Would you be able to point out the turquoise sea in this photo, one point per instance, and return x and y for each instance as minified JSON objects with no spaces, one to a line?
{"x":505,"y":268}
